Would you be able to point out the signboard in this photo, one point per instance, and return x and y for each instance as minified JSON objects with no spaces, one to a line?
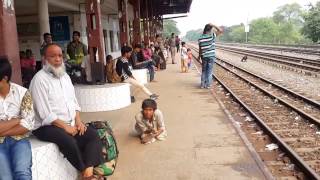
{"x":246,"y":28}
{"x":59,"y":27}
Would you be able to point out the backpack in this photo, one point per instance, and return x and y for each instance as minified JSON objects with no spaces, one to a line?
{"x":110,"y":149}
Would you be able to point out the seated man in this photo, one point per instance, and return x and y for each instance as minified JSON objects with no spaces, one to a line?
{"x":149,"y":123}
{"x":137,"y":63}
{"x":123,"y":70}
{"x":16,"y":120}
{"x":57,"y":115}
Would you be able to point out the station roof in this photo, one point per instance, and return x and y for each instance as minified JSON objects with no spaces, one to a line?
{"x":165,"y":7}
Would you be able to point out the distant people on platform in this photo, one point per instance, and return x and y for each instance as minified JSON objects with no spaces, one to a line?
{"x":167,"y":48}
{"x":16,"y":120}
{"x":162,"y":53}
{"x":207,"y":53}
{"x":47,"y":39}
{"x":150,"y":123}
{"x":178,"y":44}
{"x":172,"y":44}
{"x":189,"y":58}
{"x":28,"y":66}
{"x":57,"y":115}
{"x":76,"y":55}
{"x":184,"y":58}
{"x":124,"y":71}
{"x":111,"y":73}
{"x":138,"y":61}
{"x":159,"y":59}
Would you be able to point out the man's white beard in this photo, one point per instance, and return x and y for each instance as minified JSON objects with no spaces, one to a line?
{"x":56,"y":71}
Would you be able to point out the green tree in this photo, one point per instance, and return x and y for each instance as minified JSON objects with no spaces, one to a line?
{"x":170,"y":26}
{"x":237,"y":34}
{"x":193,"y":35}
{"x":311,"y":27}
{"x":263,"y":30}
{"x":289,"y":13}
{"x":225,"y":37}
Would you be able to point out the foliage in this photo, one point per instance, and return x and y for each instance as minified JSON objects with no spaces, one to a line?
{"x":170,"y":26}
{"x":284,"y":27}
{"x":311,"y":27}
{"x":263,"y":30}
{"x":289,"y":13}
{"x":193,"y":35}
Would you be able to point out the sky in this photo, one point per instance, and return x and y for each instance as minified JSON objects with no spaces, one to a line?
{"x":230,"y":12}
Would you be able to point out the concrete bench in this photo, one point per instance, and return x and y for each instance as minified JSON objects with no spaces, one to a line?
{"x":141,"y":75}
{"x":107,"y":97}
{"x":49,"y":163}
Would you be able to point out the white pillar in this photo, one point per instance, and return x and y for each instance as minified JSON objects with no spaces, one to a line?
{"x":43,"y":14}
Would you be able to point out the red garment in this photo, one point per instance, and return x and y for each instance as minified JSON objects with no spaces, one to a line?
{"x":147,"y":53}
{"x":28,"y":63}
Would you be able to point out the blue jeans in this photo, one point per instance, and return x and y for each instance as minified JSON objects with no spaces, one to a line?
{"x":148,"y":65}
{"x":15,"y":159}
{"x":207,"y":68}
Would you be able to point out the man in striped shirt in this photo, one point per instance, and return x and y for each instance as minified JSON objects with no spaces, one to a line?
{"x":207,"y":52}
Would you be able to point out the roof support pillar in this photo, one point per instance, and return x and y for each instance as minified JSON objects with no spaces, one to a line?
{"x":9,"y":46}
{"x":136,"y":23}
{"x":123,"y":21}
{"x":146,"y":23}
{"x":95,"y":40}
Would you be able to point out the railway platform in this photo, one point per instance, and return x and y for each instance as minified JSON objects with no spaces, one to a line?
{"x":202,"y":143}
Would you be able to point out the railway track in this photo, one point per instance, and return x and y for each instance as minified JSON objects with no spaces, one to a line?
{"x":291,"y":120}
{"x":296,"y":62}
{"x":300,"y":49}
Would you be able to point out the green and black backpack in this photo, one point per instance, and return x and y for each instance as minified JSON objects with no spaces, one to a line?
{"x":110,"y":149}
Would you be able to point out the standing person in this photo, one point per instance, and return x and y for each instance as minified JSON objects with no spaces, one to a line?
{"x":125,"y":73}
{"x":77,"y":52}
{"x":207,"y":53}
{"x":167,"y":48}
{"x":47,"y":39}
{"x":184,"y":58}
{"x":149,"y":123}
{"x":76,"y":49}
{"x":172,"y":44}
{"x":189,"y":57}
{"x":178,"y":43}
{"x":16,"y":120}
{"x":57,"y":115}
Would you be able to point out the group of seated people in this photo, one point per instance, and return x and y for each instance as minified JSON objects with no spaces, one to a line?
{"x":147,"y":57}
{"x":49,"y":109}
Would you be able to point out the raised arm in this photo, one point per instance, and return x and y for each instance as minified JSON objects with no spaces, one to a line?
{"x":217,"y":30}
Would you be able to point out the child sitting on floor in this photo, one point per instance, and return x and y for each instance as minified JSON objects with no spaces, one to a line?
{"x":149,"y":123}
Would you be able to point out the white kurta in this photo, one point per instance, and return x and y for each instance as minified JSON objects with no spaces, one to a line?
{"x":53,"y":98}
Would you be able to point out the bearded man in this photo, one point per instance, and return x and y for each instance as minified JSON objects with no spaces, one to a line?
{"x":57,"y":117}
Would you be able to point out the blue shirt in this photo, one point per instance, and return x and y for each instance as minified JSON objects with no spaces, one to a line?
{"x":207,"y":45}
